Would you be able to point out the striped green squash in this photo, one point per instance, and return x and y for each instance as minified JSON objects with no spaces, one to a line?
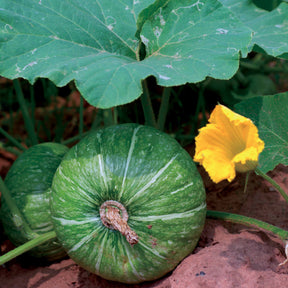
{"x":29,"y":180}
{"x":146,"y":180}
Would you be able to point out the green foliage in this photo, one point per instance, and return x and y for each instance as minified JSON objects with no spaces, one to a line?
{"x":269,"y":113}
{"x":95,"y":44}
{"x":111,"y":50}
{"x":269,"y":28}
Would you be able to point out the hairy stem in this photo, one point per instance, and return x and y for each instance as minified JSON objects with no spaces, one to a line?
{"x":81,"y":117}
{"x":12,"y":139}
{"x":248,"y":221}
{"x":74,"y":138}
{"x":27,"y":120}
{"x":147,"y":106}
{"x":108,"y":117}
{"x":263,"y":68}
{"x":164,"y":108}
{"x":273,"y":183}
{"x":27,"y":246}
{"x":11,"y":150}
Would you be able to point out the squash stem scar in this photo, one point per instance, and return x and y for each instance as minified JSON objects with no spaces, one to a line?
{"x":114,"y":216}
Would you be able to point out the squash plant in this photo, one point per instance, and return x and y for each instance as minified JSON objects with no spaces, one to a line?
{"x":29,"y":182}
{"x":109,"y":51}
{"x":128,"y":203}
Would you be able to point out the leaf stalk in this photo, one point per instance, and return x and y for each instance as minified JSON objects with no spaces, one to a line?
{"x":248,"y":221}
{"x":147,"y":106}
{"x":27,"y":246}
{"x":272,"y":182}
{"x":164,"y":108}
{"x":27,"y":119}
{"x":12,"y":139}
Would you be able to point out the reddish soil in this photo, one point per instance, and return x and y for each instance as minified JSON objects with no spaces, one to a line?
{"x":227,"y":255}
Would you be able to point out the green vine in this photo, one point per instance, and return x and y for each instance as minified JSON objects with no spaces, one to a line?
{"x":248,"y":221}
{"x":27,"y":119}
{"x":147,"y":106}
{"x":27,"y":246}
{"x":273,"y":183}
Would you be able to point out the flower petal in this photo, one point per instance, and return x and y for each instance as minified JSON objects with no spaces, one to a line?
{"x":213,"y":155}
{"x":229,"y":143}
{"x":236,"y":127}
{"x":218,"y":167}
{"x":246,"y":160}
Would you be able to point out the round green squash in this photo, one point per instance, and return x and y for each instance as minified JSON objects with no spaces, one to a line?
{"x":128,"y":203}
{"x":29,"y":180}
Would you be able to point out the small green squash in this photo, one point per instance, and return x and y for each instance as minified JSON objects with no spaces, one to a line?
{"x":128,"y":203}
{"x":29,"y":181}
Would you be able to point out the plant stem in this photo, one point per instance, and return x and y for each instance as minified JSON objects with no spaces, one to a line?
{"x":248,"y":221}
{"x":164,"y":108}
{"x":108,"y":117}
{"x":200,"y":107}
{"x":262,"y":68}
{"x":27,"y":246}
{"x":74,"y":138}
{"x":115,"y":115}
{"x":272,"y":182}
{"x":33,"y":103}
{"x":12,"y":139}
{"x":17,"y":216}
{"x":246,"y":181}
{"x":81,"y":117}
{"x":10,"y":150}
{"x":147,"y":106}
{"x":27,"y":120}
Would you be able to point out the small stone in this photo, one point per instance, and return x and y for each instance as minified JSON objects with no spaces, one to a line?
{"x":201,"y":273}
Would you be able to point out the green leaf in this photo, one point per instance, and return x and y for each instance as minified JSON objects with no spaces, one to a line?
{"x":96,"y":44}
{"x":91,"y":42}
{"x":270,"y":29}
{"x":188,"y":41}
{"x":148,"y":12}
{"x":269,"y":114}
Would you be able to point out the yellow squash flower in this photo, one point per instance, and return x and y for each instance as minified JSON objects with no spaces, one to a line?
{"x":228,"y":143}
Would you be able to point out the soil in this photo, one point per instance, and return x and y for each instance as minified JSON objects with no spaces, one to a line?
{"x":227,"y":255}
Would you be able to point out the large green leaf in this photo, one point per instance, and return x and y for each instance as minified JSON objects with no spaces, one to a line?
{"x":188,"y":40}
{"x":95,"y":43}
{"x":270,"y":29}
{"x":269,"y":113}
{"x":89,"y":41}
